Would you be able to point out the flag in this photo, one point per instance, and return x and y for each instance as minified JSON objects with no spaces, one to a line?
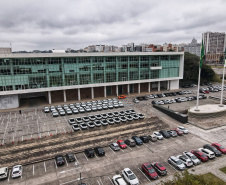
{"x":202,"y":55}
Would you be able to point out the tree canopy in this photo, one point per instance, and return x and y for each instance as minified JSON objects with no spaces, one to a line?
{"x":191,"y":70}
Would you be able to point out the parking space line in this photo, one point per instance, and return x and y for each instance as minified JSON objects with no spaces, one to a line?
{"x":112,"y":150}
{"x":76,"y":158}
{"x":45,"y":166}
{"x":66,"y":162}
{"x":129,"y":148}
{"x":33,"y":169}
{"x":144,"y":174}
{"x":122,"y":150}
{"x":110,"y":180}
{"x":55,"y":164}
{"x":137,"y":146}
{"x":98,"y":182}
{"x":9,"y":175}
{"x":96,"y":156}
{"x":85,"y":157}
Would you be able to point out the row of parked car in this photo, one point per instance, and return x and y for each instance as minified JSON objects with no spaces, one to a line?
{"x":161,"y":95}
{"x":83,"y":107}
{"x":207,"y":90}
{"x":178,"y":100}
{"x":195,"y":157}
{"x":104,"y":119}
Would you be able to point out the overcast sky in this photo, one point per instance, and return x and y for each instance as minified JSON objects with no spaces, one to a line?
{"x":62,"y":24}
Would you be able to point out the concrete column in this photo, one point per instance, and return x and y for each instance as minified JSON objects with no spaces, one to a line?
{"x":116,"y":90}
{"x":65,"y":98}
{"x":105,"y":91}
{"x":159,"y":86}
{"x":139,"y":88}
{"x":168,"y":85}
{"x":49,"y":94}
{"x":92,"y":93}
{"x":149,"y":86}
{"x":79,"y":95}
{"x":128,"y":90}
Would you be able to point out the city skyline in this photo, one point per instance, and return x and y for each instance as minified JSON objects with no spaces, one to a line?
{"x":31,"y":25}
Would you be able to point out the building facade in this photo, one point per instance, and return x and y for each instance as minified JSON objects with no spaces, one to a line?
{"x":76,"y":76}
{"x":193,"y":47}
{"x":214,"y":45}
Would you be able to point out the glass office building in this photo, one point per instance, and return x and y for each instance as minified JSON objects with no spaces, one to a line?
{"x":70,"y":76}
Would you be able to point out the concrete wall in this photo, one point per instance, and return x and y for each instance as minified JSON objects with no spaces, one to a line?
{"x":174,"y":84}
{"x":9,"y":102}
{"x":144,"y":87}
{"x":72,"y":94}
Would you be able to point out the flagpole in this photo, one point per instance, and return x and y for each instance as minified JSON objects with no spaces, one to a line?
{"x":222,"y":87}
{"x":197,"y":102}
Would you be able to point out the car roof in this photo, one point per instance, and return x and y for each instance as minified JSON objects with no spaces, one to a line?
{"x":2,"y":169}
{"x":120,"y":141}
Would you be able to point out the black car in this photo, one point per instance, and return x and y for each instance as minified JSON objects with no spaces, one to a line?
{"x":89,"y":152}
{"x":60,"y":160}
{"x":99,"y":151}
{"x":70,"y":157}
{"x":137,"y":140}
{"x":164,"y":133}
{"x":213,"y":149}
{"x":144,"y":139}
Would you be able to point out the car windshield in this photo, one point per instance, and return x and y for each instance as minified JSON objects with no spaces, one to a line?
{"x":122,"y":143}
{"x":182,"y":128}
{"x":158,"y":134}
{"x":151,"y":170}
{"x":193,"y":157}
{"x":179,"y":162}
{"x":132,"y":177}
{"x":15,"y":172}
{"x":160,"y":165}
{"x":221,"y":147}
{"x":60,"y":158}
{"x":203,"y":155}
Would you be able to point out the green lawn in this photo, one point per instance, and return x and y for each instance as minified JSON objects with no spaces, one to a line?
{"x":213,"y":179}
{"x":223,"y":169}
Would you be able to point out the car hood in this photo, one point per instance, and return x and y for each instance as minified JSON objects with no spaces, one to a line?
{"x":134,"y":181}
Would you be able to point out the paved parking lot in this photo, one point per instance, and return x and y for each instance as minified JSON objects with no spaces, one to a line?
{"x":100,"y":170}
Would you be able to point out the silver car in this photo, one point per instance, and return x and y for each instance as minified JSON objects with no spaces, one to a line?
{"x":192,"y":157}
{"x":177,"y":163}
{"x":187,"y":162}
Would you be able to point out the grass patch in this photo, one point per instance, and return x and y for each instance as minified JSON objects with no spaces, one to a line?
{"x":223,"y":169}
{"x":209,"y":177}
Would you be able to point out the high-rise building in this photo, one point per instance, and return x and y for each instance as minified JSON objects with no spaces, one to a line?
{"x":214,"y":45}
{"x":193,"y":47}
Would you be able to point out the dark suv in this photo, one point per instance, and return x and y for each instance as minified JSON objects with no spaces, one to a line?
{"x":89,"y":152}
{"x":164,"y":133}
{"x":130,"y":142}
{"x":137,"y":140}
{"x":70,"y":157}
{"x":213,"y":149}
{"x":60,"y":160}
{"x":99,"y":151}
{"x":144,"y":139}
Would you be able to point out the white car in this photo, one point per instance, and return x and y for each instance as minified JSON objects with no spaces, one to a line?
{"x":3,"y":173}
{"x":136,"y":100}
{"x":118,"y":180}
{"x":177,"y":163}
{"x":184,"y":130}
{"x":17,"y":171}
{"x":158,"y":135}
{"x":208,"y":152}
{"x":130,"y":177}
{"x":187,"y":162}
{"x":193,"y":158}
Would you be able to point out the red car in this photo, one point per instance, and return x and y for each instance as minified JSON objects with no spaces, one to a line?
{"x":207,"y":92}
{"x":121,"y":144}
{"x":149,"y":171}
{"x":159,"y":168}
{"x":121,"y":97}
{"x":219,"y":147}
{"x":200,"y":155}
{"x":179,"y":132}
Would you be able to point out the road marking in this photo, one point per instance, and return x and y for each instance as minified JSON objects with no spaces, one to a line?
{"x":112,"y":150}
{"x":101,"y":182}
{"x":96,"y":156}
{"x":137,"y":146}
{"x":122,"y":150}
{"x":33,"y":169}
{"x":22,"y":138}
{"x":76,"y":158}
{"x":66,"y":162}
{"x":64,"y":130}
{"x":144,"y":174}
{"x":98,"y":182}
{"x":78,"y":179}
{"x":85,"y":157}
{"x":9,"y":175}
{"x":55,"y":164}
{"x":45,"y":166}
{"x":110,"y":180}
{"x":13,"y":138}
{"x":129,"y":148}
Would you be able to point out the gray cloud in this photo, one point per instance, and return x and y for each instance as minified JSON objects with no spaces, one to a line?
{"x":48,"y":24}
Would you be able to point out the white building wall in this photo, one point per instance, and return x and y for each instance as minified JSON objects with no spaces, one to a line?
{"x":9,"y":101}
{"x":174,"y":84}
